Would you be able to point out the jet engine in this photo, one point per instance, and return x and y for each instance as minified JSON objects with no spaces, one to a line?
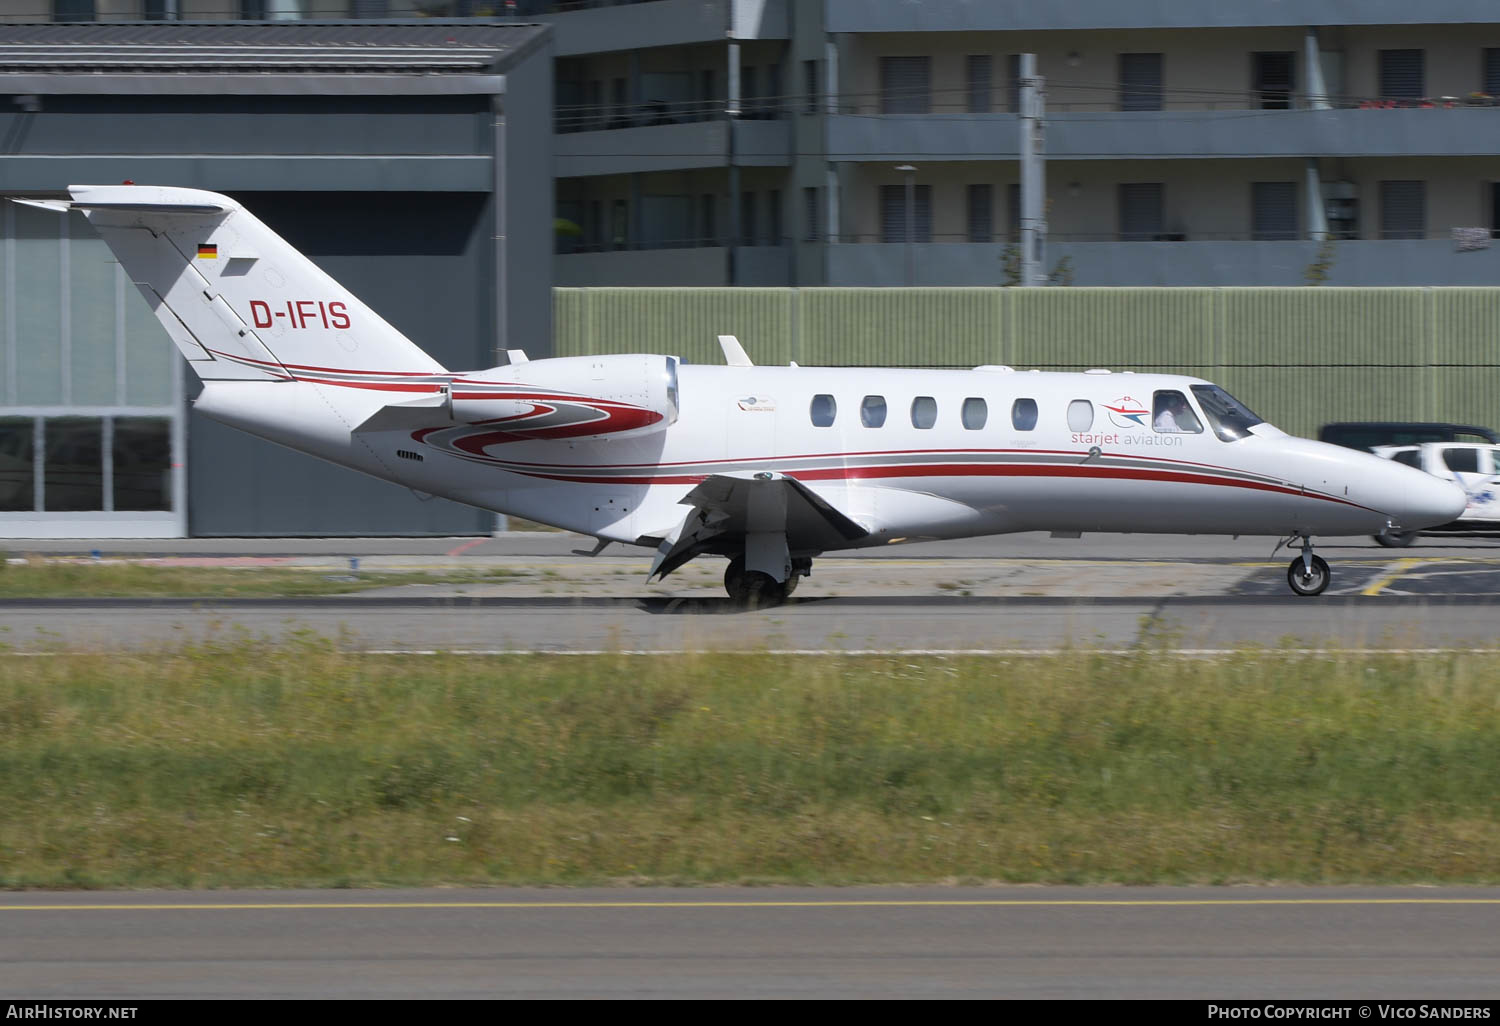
{"x":570,"y":397}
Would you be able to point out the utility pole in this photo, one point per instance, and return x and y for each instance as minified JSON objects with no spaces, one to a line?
{"x":1033,"y":175}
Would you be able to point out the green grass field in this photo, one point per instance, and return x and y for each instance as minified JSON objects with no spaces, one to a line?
{"x":255,"y":765}
{"x":37,"y":578}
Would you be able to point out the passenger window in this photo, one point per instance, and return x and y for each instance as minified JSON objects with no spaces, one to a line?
{"x":823,"y":410}
{"x":976,"y":412}
{"x":872,"y":411}
{"x":1023,"y":414}
{"x":1080,"y":415}
{"x":923,"y":412}
{"x":1171,"y":414}
{"x":1462,"y":461}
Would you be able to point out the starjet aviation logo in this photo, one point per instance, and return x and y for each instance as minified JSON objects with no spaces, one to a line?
{"x":1125,"y":412}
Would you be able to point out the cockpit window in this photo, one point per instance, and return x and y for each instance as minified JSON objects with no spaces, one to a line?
{"x":1171,"y":414}
{"x":1230,"y":418}
{"x":1462,"y":460}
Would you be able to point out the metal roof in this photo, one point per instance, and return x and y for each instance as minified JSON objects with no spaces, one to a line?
{"x":276,"y":48}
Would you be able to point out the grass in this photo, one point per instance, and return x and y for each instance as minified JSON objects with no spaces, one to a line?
{"x":85,"y":579}
{"x":249,"y":764}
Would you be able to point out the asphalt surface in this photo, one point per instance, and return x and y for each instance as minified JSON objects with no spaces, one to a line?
{"x":1017,"y":592}
{"x":1025,"y":942}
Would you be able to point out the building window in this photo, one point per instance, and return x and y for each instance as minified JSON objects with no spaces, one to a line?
{"x":1273,"y":210}
{"x":749,"y":92}
{"x":619,"y":224}
{"x":252,"y":10}
{"x":1141,"y":211}
{"x":981,"y":219}
{"x":142,"y":463}
{"x":1013,"y":210}
{"x":155,"y":10}
{"x":73,"y":464}
{"x":1402,"y":74}
{"x":773,"y":213}
{"x":809,"y":87}
{"x":893,"y":213}
{"x":977,"y":66}
{"x":1013,"y":83}
{"x":73,"y":10}
{"x":1403,"y":210}
{"x":708,"y":230}
{"x":1274,"y":79}
{"x":370,"y":8}
{"x":810,"y":217}
{"x":905,"y":85}
{"x":1491,"y":71}
{"x":1140,"y":81}
{"x":17,"y":464}
{"x":747,"y":219}
{"x":619,"y":106}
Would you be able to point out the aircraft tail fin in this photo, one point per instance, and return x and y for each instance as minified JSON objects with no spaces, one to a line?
{"x":238,"y":300}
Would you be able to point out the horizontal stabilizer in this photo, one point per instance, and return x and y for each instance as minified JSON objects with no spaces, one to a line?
{"x":424,"y":412}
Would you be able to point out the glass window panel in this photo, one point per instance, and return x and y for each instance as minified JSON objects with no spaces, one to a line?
{"x":1462,"y":461}
{"x":872,"y":411}
{"x":38,"y":280}
{"x":73,"y":468}
{"x":976,"y":412}
{"x":1080,"y":415}
{"x":823,"y":410}
{"x":143,"y":463}
{"x":1170,"y":413}
{"x":1023,"y":414}
{"x":91,"y":315}
{"x":150,"y":356}
{"x":17,"y":459}
{"x":923,"y":412}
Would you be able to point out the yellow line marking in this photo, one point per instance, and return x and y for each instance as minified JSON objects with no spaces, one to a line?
{"x":607,"y":905}
{"x":1394,"y":571}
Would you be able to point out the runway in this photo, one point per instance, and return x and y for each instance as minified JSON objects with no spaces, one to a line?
{"x":1023,"y":942}
{"x":1013,"y":593}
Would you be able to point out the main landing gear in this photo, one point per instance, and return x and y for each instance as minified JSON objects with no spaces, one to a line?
{"x":755,"y":589}
{"x":1308,"y":574}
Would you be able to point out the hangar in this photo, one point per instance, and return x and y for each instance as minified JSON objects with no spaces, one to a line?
{"x":412,"y":161}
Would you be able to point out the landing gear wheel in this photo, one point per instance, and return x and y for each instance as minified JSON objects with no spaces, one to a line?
{"x":753,"y":589}
{"x":1305,"y":582}
{"x":1396,"y":539}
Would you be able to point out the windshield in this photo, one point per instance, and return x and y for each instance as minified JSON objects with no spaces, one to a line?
{"x":1230,"y":418}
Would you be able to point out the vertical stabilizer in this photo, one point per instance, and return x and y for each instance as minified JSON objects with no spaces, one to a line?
{"x":239,"y":301}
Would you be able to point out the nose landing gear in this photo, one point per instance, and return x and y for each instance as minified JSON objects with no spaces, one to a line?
{"x":1308,"y":574}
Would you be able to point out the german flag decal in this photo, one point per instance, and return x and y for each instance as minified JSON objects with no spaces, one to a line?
{"x":208,"y":251}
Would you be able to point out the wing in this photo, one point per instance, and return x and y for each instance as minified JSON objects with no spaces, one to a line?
{"x":727,"y":508}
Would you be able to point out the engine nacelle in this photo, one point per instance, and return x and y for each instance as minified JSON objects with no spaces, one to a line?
{"x":570,"y":397}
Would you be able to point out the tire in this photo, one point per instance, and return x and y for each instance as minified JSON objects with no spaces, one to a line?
{"x":1308,"y":585}
{"x":753,"y":589}
{"x":1396,"y":539}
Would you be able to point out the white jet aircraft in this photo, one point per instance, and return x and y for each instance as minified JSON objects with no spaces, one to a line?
{"x":767,"y":466}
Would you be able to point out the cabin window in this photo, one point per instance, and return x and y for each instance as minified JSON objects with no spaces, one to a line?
{"x":975,"y":413}
{"x":1080,"y":415}
{"x":1171,"y":414}
{"x":823,"y":410}
{"x":1411,"y":458}
{"x":1230,"y":418}
{"x":872,"y":411}
{"x":1023,"y":414}
{"x":923,"y":412}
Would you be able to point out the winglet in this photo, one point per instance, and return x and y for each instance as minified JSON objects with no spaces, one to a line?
{"x":734,"y":353}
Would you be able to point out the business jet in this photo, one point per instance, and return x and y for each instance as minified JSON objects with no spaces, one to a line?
{"x":768,"y":467}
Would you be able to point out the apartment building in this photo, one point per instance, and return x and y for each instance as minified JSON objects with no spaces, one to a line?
{"x":773,"y":142}
{"x":758,"y":142}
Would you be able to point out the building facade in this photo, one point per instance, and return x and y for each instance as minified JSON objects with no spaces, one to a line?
{"x":411,"y":162}
{"x":761,"y":142}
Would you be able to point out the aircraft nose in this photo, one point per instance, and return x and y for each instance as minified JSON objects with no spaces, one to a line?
{"x":1420,"y":500}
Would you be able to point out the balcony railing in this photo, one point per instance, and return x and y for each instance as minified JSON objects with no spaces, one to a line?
{"x":606,"y":117}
